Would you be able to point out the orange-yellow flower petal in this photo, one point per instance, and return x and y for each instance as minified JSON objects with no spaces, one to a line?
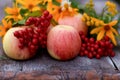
{"x":30,"y":5}
{"x":114,"y":31}
{"x":100,"y":35}
{"x":2,"y":31}
{"x":21,"y":2}
{"x":113,"y":23}
{"x":13,"y":13}
{"x":36,"y":8}
{"x":111,"y":36}
{"x":4,"y":23}
{"x":9,"y":10}
{"x":5,"y":27}
{"x":96,"y":30}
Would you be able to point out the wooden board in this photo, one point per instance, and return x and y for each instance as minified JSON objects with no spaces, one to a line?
{"x":116,"y":59}
{"x":42,"y":66}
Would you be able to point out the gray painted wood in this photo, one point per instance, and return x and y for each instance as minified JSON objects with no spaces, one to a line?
{"x":116,"y":59}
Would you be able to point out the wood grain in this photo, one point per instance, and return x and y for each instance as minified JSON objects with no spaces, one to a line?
{"x":116,"y":59}
{"x":60,"y":75}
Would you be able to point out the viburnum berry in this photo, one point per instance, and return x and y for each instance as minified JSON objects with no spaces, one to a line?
{"x":35,"y":36}
{"x":92,"y":48}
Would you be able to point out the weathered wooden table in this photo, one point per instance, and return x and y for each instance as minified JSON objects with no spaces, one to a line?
{"x":43,"y":67}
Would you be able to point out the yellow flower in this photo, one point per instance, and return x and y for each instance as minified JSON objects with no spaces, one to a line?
{"x":54,"y":10}
{"x":88,"y":23}
{"x":31,"y":5}
{"x":85,"y":17}
{"x":5,"y":27}
{"x":91,"y":21}
{"x":111,"y":7}
{"x":45,"y":1}
{"x":66,"y":9}
{"x":13,"y":13}
{"x":61,"y":11}
{"x":90,"y":4}
{"x":106,"y":29}
{"x":68,"y":13}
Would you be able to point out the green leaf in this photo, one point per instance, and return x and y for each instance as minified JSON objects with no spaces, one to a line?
{"x":43,"y":6}
{"x":54,"y":22}
{"x":55,"y":3}
{"x":21,"y":22}
{"x":34,"y":14}
{"x":23,"y":11}
{"x":2,"y":57}
{"x":14,"y":1}
{"x":81,"y":8}
{"x":74,"y":3}
{"x":119,"y":19}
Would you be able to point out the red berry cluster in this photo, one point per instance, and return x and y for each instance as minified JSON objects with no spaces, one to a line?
{"x":34,"y":37}
{"x":92,"y":48}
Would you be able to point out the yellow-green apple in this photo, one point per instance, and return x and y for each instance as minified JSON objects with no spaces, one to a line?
{"x":63,"y":42}
{"x":74,"y":21}
{"x":10,"y":46}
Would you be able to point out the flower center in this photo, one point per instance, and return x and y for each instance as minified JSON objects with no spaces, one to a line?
{"x":107,"y":27}
{"x":66,"y":5}
{"x":30,"y":6}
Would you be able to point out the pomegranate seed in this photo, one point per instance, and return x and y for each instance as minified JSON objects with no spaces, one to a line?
{"x":86,"y":39}
{"x":35,"y":35}
{"x":98,"y":56}
{"x":94,"y":53}
{"x":82,"y":37}
{"x":92,"y":49}
{"x":107,"y":43}
{"x":42,"y":18}
{"x":102,"y":43}
{"x":32,"y":47}
{"x":88,"y":44}
{"x":88,"y":48}
{"x":16,"y":34}
{"x":81,"y":33}
{"x":92,"y":45}
{"x":49,"y":17}
{"x":105,"y":54}
{"x":112,"y":54}
{"x":109,"y":51}
{"x":90,"y":55}
{"x":86,"y":52}
{"x":20,"y":46}
{"x":111,"y":46}
{"x":30,"y":30}
{"x":97,"y":42}
{"x":83,"y":45}
{"x":45,"y":13}
{"x":99,"y":50}
{"x":81,"y":54}
{"x":42,"y":24}
{"x":21,"y":40}
{"x":92,"y":40}
{"x":96,"y":46}
{"x":82,"y":48}
{"x":35,"y":41}
{"x":106,"y":38}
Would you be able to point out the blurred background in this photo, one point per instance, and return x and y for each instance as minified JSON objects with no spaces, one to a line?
{"x":98,"y":5}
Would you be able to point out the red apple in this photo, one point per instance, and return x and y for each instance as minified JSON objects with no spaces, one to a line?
{"x":63,"y":42}
{"x":74,"y":21}
{"x":10,"y":46}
